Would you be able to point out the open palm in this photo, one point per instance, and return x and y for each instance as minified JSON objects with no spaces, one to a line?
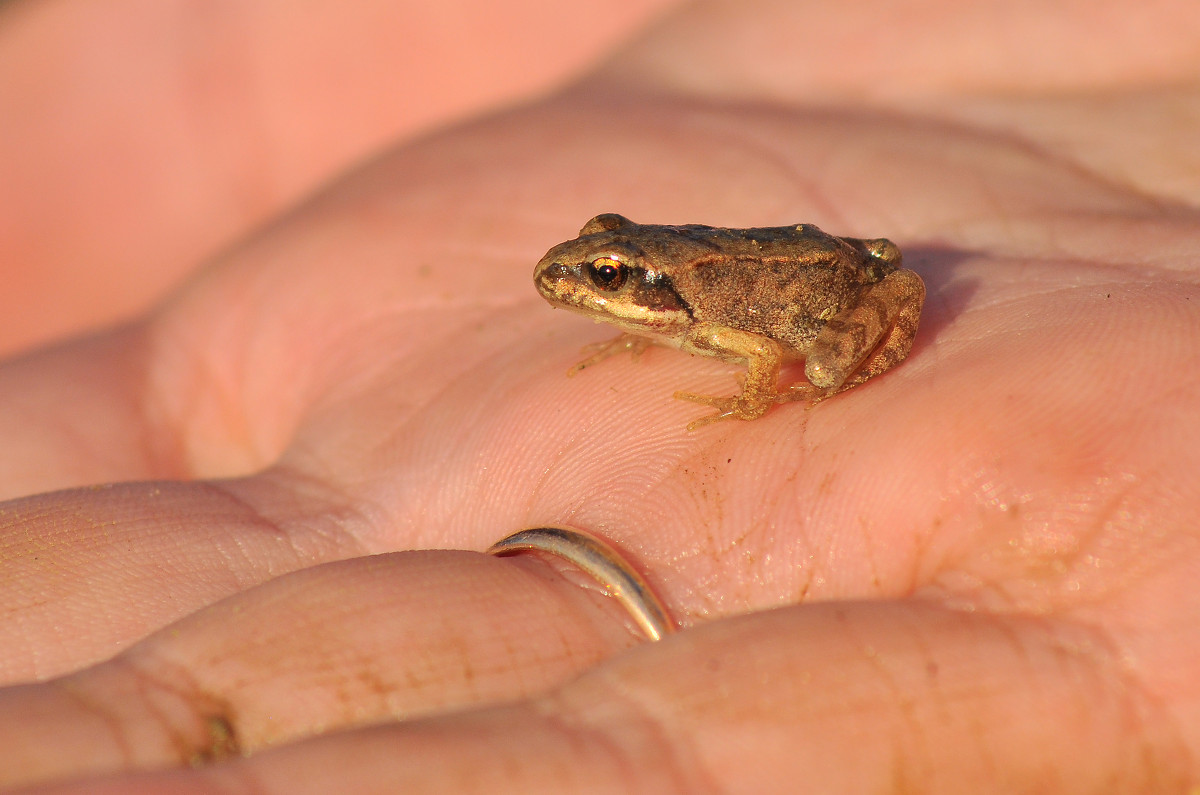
{"x":973,"y":572}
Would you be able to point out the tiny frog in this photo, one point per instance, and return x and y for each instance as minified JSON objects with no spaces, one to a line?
{"x":764,"y":297}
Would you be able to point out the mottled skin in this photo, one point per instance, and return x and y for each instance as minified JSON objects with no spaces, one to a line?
{"x":763,"y":296}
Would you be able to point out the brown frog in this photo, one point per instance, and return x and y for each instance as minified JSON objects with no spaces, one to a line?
{"x":764,"y":296}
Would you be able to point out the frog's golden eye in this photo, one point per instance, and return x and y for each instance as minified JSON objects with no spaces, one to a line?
{"x":607,"y":273}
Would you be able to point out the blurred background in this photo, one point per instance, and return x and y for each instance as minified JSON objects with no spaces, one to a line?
{"x":139,"y":138}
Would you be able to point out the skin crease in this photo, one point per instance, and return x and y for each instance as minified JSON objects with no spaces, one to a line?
{"x":974,"y":573}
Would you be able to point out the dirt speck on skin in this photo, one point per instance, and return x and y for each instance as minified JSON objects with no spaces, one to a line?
{"x":222,"y":742}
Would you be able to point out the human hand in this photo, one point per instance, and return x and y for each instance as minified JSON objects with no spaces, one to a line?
{"x":143,"y":140}
{"x":972,"y":573}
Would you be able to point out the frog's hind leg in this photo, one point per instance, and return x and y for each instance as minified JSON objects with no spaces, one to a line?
{"x":869,"y":338}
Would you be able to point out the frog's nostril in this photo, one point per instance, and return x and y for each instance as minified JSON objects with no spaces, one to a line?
{"x":549,"y":276}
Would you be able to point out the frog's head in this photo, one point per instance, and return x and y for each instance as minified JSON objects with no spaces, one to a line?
{"x":605,"y":274}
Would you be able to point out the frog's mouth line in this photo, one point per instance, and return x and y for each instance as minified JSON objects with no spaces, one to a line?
{"x":624,"y":315}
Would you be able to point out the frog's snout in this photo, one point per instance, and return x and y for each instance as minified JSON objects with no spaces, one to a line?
{"x":554,"y":280}
{"x":548,"y":270}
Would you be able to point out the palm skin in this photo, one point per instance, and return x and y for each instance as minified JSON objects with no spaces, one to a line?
{"x":972,"y":573}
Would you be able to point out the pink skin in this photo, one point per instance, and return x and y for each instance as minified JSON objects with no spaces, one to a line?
{"x":973,"y":573}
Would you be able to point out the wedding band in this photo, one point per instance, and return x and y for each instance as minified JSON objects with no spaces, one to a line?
{"x":602,"y":563}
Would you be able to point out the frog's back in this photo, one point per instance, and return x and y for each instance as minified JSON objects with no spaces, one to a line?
{"x":782,"y":282}
{"x":699,"y":242}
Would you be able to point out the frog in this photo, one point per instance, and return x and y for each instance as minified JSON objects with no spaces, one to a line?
{"x":765,"y":297}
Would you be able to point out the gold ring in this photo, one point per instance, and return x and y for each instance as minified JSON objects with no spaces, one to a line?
{"x":602,"y":563}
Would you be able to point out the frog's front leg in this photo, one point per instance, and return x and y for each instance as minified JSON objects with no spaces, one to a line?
{"x":869,"y":338}
{"x":602,"y":350}
{"x":763,"y":357}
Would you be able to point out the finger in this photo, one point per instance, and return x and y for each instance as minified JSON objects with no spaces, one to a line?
{"x":917,"y":697}
{"x":141,"y":138}
{"x":914,"y":51}
{"x":76,"y":415}
{"x":88,"y":572}
{"x":378,"y":638}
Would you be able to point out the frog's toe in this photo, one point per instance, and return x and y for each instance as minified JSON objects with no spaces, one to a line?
{"x":728,"y":408}
{"x":719,"y":403}
{"x":599,"y":351}
{"x":805,"y":392}
{"x":696,"y":424}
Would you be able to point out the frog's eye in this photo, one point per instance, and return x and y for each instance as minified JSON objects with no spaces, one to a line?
{"x":607,"y":273}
